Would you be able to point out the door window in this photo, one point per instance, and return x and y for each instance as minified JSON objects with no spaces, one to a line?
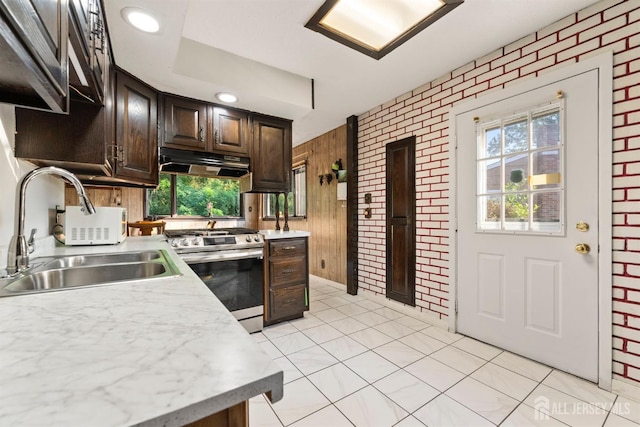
{"x":520,"y":172}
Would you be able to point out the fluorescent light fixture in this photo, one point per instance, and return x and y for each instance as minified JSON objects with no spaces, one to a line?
{"x":140,"y":19}
{"x":376,"y":27}
{"x":226,"y":97}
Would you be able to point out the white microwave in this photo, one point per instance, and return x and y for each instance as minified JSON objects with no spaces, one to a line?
{"x":108,"y":226}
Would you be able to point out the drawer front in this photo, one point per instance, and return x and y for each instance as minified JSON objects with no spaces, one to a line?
{"x":288,"y":247}
{"x":287,"y":301}
{"x":290,"y":270}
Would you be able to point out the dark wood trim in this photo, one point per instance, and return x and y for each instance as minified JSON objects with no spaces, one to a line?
{"x":401,"y":220}
{"x":352,"y":205}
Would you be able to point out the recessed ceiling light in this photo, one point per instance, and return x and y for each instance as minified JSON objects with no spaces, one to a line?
{"x":376,"y":28}
{"x":226,"y":97}
{"x":141,"y":19}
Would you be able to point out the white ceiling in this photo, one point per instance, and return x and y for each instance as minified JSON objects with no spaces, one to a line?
{"x":260,"y":50}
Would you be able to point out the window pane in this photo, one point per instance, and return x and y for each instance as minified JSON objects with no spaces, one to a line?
{"x":546,"y":169}
{"x":490,"y":208}
{"x":491,"y":145}
{"x":159,"y":199}
{"x":300,"y":191}
{"x":516,"y":208}
{"x":516,"y":137}
{"x":545,"y":130}
{"x":547,"y":209}
{"x":515,"y":172}
{"x":489,"y":176}
{"x":208,"y":197}
{"x":271,"y":205}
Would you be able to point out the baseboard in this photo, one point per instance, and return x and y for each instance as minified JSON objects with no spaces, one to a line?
{"x":395,"y":305}
{"x":625,"y":387}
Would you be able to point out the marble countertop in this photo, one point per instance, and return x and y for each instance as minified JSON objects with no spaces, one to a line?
{"x":279,"y":234}
{"x":156,"y":352}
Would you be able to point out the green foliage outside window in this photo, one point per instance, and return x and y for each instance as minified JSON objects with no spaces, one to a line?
{"x":159,"y":200}
{"x":196,"y":196}
{"x":516,"y":205}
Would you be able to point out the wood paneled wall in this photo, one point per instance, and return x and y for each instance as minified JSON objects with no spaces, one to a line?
{"x":326,"y":215}
{"x":130,"y":198}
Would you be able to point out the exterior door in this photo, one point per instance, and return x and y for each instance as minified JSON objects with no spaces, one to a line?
{"x":527,"y":209}
{"x":401,"y":225}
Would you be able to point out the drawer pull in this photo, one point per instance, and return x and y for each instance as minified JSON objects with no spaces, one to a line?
{"x":289,"y":248}
{"x":289,"y":270}
{"x":289,"y":301}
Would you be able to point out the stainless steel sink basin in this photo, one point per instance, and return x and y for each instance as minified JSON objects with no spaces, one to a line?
{"x":50,"y":274}
{"x":102,"y":259}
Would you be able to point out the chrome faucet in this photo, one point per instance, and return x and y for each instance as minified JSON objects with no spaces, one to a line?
{"x":18,"y":257}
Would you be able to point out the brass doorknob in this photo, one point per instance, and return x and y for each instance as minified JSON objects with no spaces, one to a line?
{"x":582,"y":248}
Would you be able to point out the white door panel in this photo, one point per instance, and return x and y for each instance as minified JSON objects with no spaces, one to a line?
{"x":534,"y":294}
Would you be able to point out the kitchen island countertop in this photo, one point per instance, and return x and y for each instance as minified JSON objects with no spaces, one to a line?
{"x":153,"y":352}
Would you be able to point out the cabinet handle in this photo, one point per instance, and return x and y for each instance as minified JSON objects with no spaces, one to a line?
{"x":201,"y":132}
{"x":289,"y":270}
{"x":215,"y":137}
{"x":121,"y":156}
{"x":289,"y":248}
{"x":97,"y":27}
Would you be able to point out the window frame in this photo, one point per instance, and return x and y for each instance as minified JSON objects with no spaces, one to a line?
{"x":174,"y":203}
{"x":267,"y":215}
{"x":482,"y":193}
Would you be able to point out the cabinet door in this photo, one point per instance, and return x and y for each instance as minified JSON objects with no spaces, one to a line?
{"x":33,"y":48}
{"x":185,"y":124}
{"x":136,"y":130}
{"x":271,"y":159}
{"x":88,"y":49}
{"x":98,"y":60}
{"x":230,"y":131}
{"x":287,"y":302}
{"x":286,"y":271}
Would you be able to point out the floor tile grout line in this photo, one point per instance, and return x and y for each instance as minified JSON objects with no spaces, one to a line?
{"x":401,"y":368}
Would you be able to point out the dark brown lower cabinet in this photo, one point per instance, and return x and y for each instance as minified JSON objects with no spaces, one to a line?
{"x":235,"y":416}
{"x":287,"y":279}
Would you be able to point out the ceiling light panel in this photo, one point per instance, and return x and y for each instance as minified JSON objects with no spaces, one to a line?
{"x":376,"y":27}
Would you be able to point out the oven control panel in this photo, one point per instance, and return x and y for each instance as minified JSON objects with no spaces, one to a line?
{"x":217,"y":242}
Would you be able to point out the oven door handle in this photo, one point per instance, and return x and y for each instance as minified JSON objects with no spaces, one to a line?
{"x":198,"y":258}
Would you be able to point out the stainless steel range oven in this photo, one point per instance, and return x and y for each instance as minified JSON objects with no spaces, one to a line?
{"x":229,"y":262}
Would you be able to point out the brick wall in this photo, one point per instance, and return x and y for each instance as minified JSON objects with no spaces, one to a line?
{"x":610,"y":25}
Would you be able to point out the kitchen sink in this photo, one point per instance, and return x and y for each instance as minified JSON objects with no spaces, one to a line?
{"x":72,"y":272}
{"x":102,"y":259}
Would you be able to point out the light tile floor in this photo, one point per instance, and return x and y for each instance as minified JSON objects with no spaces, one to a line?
{"x":353,"y":361}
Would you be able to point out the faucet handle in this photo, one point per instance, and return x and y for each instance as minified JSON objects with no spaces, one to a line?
{"x":32,"y":241}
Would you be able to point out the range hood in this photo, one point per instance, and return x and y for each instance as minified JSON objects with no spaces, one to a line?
{"x":202,"y":163}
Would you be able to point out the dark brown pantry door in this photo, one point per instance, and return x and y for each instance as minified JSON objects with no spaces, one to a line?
{"x":401,"y":228}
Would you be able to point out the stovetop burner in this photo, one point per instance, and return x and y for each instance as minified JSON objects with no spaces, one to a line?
{"x":216,"y":239}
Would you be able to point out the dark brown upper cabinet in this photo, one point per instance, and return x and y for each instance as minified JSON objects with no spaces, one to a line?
{"x":89,"y":49}
{"x":33,"y":50}
{"x":230,"y":131}
{"x":271,"y":154}
{"x":186,"y":124}
{"x":136,"y":131}
{"x":113,"y":144}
